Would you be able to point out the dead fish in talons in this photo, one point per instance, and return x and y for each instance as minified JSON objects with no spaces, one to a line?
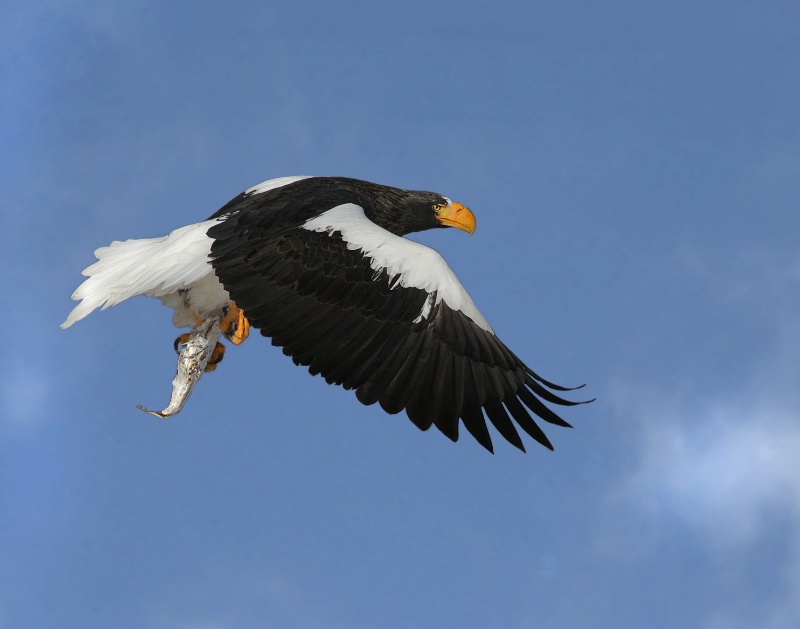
{"x":192,"y":362}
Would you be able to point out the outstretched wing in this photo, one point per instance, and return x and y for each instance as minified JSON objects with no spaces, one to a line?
{"x":380,"y":314}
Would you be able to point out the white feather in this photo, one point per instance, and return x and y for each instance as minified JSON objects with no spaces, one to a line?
{"x":408,"y":263}
{"x":271,"y":184}
{"x":156,"y":267}
{"x":160,"y":267}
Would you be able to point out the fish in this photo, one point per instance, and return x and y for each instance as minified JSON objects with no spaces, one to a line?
{"x":192,"y":362}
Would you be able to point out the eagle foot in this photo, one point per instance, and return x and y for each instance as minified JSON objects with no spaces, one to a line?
{"x":217,"y":354}
{"x":235,"y":326}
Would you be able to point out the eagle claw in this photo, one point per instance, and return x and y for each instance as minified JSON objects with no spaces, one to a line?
{"x":235,"y":326}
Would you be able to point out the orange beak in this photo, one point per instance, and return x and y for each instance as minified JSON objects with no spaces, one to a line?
{"x":458,"y":216}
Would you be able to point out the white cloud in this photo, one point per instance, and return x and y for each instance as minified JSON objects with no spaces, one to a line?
{"x":724,"y":464}
{"x":729,"y":473}
{"x":724,"y":471}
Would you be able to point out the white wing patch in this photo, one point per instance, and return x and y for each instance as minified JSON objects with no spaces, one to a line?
{"x":271,"y":184}
{"x":156,"y":267}
{"x":408,"y":263}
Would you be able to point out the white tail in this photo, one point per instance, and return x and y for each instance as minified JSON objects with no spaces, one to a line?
{"x":156,"y":267}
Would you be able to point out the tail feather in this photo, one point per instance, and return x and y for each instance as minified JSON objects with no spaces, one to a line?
{"x":155,"y":267}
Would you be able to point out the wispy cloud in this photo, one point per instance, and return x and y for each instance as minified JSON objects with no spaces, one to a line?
{"x":724,"y":470}
{"x":727,"y":473}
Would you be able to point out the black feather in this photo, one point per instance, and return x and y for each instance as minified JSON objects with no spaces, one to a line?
{"x":398,"y":392}
{"x":320,"y":299}
{"x":500,"y":419}
{"x":526,"y":422}
{"x":471,"y":413}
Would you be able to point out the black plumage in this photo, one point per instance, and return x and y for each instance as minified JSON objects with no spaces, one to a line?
{"x":318,"y":297}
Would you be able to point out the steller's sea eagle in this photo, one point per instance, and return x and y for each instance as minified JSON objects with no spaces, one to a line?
{"x":320,"y":265}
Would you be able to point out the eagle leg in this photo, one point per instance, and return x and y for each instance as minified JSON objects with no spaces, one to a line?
{"x":235,"y":326}
{"x":217,"y":354}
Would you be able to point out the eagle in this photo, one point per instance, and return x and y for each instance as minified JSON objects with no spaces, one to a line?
{"x":321,"y":266}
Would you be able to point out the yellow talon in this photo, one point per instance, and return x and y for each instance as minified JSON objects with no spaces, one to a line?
{"x":235,"y":326}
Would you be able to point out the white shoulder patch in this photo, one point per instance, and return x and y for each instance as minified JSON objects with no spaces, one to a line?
{"x":271,"y":184}
{"x":408,"y":263}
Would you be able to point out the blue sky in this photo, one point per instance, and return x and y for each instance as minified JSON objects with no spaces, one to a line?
{"x":635,"y":173}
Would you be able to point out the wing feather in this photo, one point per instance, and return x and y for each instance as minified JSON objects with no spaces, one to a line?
{"x":395,"y":340}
